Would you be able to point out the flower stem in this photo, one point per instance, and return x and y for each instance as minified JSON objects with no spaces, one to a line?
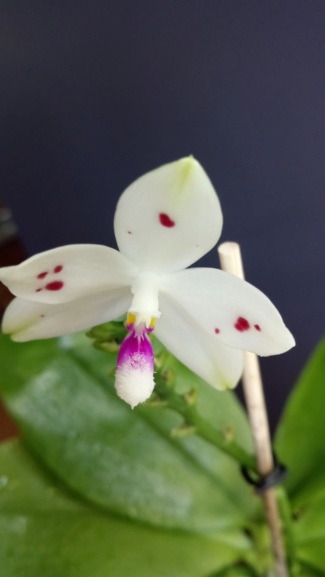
{"x":183,"y":405}
{"x":230,"y":259}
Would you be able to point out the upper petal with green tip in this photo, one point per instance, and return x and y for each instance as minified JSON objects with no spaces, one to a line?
{"x":168,"y":218}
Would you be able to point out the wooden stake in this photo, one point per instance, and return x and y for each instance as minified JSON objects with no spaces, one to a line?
{"x":231,"y":262}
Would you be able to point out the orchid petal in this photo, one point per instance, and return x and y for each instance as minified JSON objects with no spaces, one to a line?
{"x":230,"y":309}
{"x":68,"y":273}
{"x":168,"y":218}
{"x":217,"y":364}
{"x":26,"y":320}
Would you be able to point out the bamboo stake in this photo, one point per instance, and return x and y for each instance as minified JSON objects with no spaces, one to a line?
{"x":231,"y":262}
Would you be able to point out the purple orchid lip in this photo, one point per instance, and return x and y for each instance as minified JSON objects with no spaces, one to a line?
{"x":134,"y":380}
{"x":136,"y":349}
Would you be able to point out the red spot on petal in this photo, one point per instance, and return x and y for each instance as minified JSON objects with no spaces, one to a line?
{"x":217,"y":331}
{"x":257,"y":327}
{"x":54,"y":286}
{"x":165,"y":220}
{"x":58,"y":268}
{"x":42,"y":275}
{"x":38,"y":290}
{"x":242,"y":325}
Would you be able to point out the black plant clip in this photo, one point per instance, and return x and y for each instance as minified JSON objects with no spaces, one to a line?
{"x":264,"y":482}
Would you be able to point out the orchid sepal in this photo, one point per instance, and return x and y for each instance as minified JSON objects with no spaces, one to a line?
{"x":168,"y":218}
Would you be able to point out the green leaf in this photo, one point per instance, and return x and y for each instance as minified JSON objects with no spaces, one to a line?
{"x":310,"y":534}
{"x":61,"y":393}
{"x":300,"y":437}
{"x":44,"y":531}
{"x":236,"y":571}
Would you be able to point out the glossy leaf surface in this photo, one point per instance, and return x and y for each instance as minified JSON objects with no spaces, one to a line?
{"x":310,"y":534}
{"x":46,"y":531}
{"x":61,"y":394}
{"x":301,"y":433}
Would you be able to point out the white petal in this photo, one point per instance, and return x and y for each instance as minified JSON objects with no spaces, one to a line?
{"x":217,"y":364}
{"x":168,"y":218}
{"x":27,"y":321}
{"x":68,"y":273}
{"x":231,"y":309}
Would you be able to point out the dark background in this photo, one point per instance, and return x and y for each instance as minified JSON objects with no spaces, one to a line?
{"x":94,"y":94}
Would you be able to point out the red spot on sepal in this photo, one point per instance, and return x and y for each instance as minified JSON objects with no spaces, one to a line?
{"x":257,"y":327}
{"x":42,"y":274}
{"x":58,"y":268}
{"x":54,"y":286}
{"x":242,"y":325}
{"x":217,"y":331}
{"x":165,"y":220}
{"x":38,"y":290}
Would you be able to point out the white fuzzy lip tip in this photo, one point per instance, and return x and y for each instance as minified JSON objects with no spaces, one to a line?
{"x":133,"y":385}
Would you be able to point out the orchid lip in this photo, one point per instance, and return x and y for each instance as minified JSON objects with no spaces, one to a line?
{"x":134,"y":380}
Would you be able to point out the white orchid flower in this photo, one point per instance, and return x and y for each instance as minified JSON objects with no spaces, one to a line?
{"x":164,"y":222}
